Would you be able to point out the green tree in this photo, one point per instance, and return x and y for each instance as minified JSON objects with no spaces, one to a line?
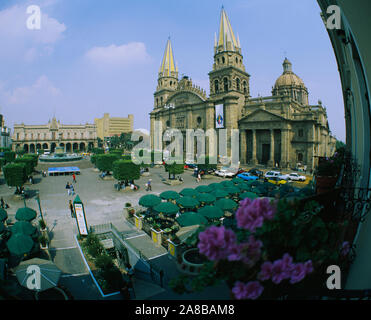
{"x":28,"y":162}
{"x":104,"y":162}
{"x":9,"y":156}
{"x":34,"y":157}
{"x":126,"y":170}
{"x":15,"y":175}
{"x":207,"y":165}
{"x":173,"y":169}
{"x":98,"y":151}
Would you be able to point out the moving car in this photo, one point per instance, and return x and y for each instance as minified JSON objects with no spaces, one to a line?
{"x":276,"y":180}
{"x":247,"y":176}
{"x":226,"y":172}
{"x":295,"y":177}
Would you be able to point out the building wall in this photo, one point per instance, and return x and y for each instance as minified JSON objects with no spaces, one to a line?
{"x":109,"y":126}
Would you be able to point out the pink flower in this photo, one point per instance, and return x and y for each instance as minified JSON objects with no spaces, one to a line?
{"x":298,"y":273}
{"x":251,"y":214}
{"x":265,"y":271}
{"x":252,"y":290}
{"x":308,"y":266}
{"x":281,"y":269}
{"x":215,"y":242}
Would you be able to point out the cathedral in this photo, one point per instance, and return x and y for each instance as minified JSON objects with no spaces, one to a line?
{"x":281,"y":130}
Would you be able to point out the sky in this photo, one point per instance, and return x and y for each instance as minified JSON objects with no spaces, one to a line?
{"x":91,"y":57}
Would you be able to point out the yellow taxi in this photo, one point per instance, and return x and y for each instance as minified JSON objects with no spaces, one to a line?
{"x":276,"y":180}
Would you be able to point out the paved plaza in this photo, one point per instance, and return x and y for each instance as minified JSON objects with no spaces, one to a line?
{"x":103,"y":204}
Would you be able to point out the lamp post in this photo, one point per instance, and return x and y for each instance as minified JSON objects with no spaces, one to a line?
{"x":38,"y":201}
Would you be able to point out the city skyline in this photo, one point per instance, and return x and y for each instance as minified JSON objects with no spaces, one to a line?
{"x":87,"y":60}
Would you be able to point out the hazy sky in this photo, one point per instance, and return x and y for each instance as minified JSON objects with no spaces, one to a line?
{"x":91,"y":57}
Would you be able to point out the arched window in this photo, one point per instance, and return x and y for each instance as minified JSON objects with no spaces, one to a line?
{"x":199,"y":120}
{"x":171,"y":83}
{"x":225,"y":83}
{"x":223,"y":60}
{"x":238,"y":84}
{"x":236,"y":60}
{"x":244,"y":87}
{"x":161,"y":100}
{"x":156,"y":102}
{"x":216,"y":85}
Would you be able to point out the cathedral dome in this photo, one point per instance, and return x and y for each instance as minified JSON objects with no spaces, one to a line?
{"x":288,"y":78}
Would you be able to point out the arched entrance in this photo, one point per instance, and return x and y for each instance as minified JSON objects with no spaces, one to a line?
{"x":82,"y":146}
{"x":25,"y":147}
{"x":45,"y":146}
{"x":90,"y":146}
{"x":38,"y":146}
{"x":75,"y":147}
{"x":62,"y":145}
{"x":68,"y":147}
{"x":52,"y":147}
{"x":32,"y":148}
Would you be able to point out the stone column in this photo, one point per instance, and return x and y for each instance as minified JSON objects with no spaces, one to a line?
{"x":243,"y":147}
{"x":284,"y":148}
{"x":254,"y":160}
{"x":271,"y":156}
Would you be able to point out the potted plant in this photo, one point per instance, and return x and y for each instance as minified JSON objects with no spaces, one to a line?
{"x":43,"y":242}
{"x":328,"y":171}
{"x":42,"y":225}
{"x":275,"y":249}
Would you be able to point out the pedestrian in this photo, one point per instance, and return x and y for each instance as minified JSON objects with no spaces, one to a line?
{"x":74,"y":177}
{"x":72,"y":189}
{"x":68,"y":188}
{"x":2,"y":203}
{"x":71,"y":209}
{"x":199,"y":177}
{"x":149,"y":187}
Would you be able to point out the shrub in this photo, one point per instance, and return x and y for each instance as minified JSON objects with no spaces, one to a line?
{"x":95,"y":250}
{"x":104,"y":261}
{"x":125,"y":170}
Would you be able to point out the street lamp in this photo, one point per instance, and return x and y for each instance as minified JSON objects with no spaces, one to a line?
{"x":38,"y":201}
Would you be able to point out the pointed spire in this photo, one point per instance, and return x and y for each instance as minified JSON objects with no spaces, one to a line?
{"x":168,"y":66}
{"x":226,"y":34}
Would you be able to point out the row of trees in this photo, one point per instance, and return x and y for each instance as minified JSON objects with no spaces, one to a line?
{"x":18,"y":169}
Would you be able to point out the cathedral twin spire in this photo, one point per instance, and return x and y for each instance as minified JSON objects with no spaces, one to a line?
{"x":225,"y":42}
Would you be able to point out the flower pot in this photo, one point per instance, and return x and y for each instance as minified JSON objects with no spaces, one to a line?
{"x":156,"y":236}
{"x":138,"y":222}
{"x":325,"y":184}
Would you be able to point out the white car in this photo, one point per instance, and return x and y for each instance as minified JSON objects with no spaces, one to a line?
{"x":271,"y":174}
{"x":295,"y":177}
{"x":226,"y":172}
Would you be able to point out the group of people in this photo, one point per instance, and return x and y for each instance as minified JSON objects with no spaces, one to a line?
{"x":69,"y":186}
{"x":148,"y":185}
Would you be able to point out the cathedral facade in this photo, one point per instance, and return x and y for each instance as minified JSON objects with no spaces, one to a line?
{"x":279,"y":130}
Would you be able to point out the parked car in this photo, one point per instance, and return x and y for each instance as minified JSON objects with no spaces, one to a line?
{"x":276,"y":180}
{"x":226,"y":172}
{"x":293,"y":176}
{"x":256,"y":172}
{"x":271,"y":174}
{"x":247,"y":176}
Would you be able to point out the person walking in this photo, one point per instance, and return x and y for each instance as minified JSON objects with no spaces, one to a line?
{"x":71,"y":209}
{"x":68,"y":187}
{"x":149,"y":187}
{"x":72,"y":189}
{"x":74,"y":177}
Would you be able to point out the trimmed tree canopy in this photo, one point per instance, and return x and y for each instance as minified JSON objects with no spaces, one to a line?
{"x":15,"y":174}
{"x":28,"y":162}
{"x":207,"y":165}
{"x":175,"y":168}
{"x":104,"y":162}
{"x":125,"y":170}
{"x":9,"y":156}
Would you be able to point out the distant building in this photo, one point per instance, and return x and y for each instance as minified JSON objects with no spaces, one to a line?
{"x":5,"y":141}
{"x":72,"y":138}
{"x":111,"y":126}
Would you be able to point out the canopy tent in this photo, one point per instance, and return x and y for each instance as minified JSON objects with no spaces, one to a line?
{"x":211,"y":212}
{"x":226,"y":204}
{"x":25,"y":214}
{"x":188,"y":192}
{"x":250,"y":195}
{"x":166,"y":208}
{"x":169,"y":195}
{"x":191,"y":219}
{"x":47,"y":272}
{"x":206,"y":198}
{"x":203,"y":189}
{"x":220,"y":193}
{"x":20,"y":244}
{"x":149,"y":200}
{"x":63,"y":171}
{"x":188,"y":202}
{"x":23,"y":227}
{"x":215,"y":186}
